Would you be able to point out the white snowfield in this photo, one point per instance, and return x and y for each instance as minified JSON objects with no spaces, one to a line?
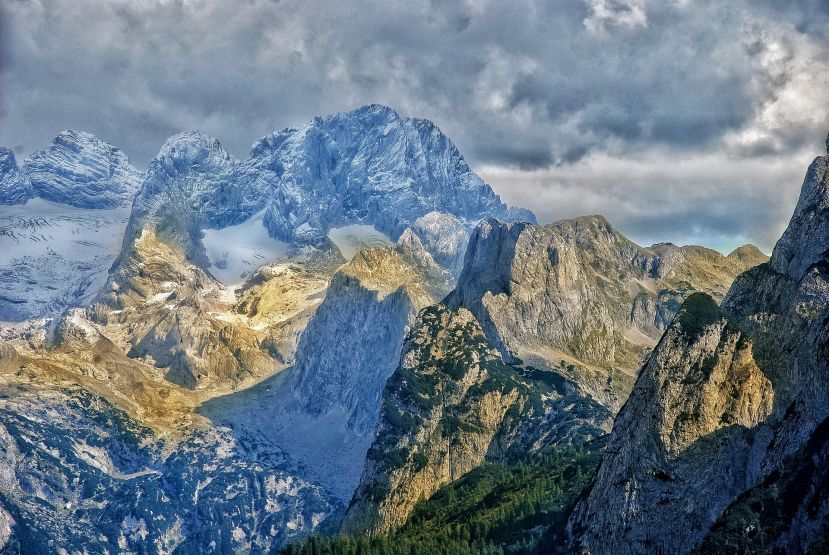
{"x":238,"y":250}
{"x":55,"y":255}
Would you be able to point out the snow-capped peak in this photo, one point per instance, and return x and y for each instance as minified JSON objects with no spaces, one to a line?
{"x":81,"y":170}
{"x":192,"y":150}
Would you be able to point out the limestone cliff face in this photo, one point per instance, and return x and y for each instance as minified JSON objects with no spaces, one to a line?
{"x":786,"y":512}
{"x":451,"y":405}
{"x":352,"y":344}
{"x":579,"y":296}
{"x":732,"y":479}
{"x":691,"y":414}
{"x":784,"y":306}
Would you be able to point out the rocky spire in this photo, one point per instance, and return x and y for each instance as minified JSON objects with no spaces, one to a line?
{"x":14,"y":186}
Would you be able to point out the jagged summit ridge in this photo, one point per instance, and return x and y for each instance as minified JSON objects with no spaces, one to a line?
{"x":77,"y":169}
{"x":368,"y":166}
{"x":81,"y":170}
{"x":792,"y":255}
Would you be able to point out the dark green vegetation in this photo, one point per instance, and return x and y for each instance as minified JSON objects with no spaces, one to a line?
{"x":494,"y":509}
{"x":760,"y":517}
{"x":429,"y":400}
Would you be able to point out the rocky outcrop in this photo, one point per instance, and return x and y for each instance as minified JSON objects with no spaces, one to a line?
{"x":793,"y":255}
{"x":451,"y":405}
{"x":81,"y":170}
{"x":694,"y":408}
{"x":162,"y":309}
{"x":192,"y":184}
{"x":781,"y":309}
{"x":444,"y":237}
{"x":578,"y":296}
{"x":15,"y":187}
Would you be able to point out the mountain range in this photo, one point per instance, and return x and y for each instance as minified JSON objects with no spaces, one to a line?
{"x":348,"y":335}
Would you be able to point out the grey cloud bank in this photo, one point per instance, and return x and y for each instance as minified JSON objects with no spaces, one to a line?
{"x":683,"y":121}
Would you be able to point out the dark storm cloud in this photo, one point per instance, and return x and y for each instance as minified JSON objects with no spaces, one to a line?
{"x":527,"y":85}
{"x":808,"y":16}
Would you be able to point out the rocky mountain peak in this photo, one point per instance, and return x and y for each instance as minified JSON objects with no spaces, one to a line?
{"x":14,"y":186}
{"x":81,"y":170}
{"x":579,"y":296}
{"x":191,"y":151}
{"x":445,"y":237}
{"x":748,"y":255}
{"x":793,"y":255}
{"x":355,"y":165}
{"x":695,"y":400}
{"x":370,"y":166}
{"x":8,"y":162}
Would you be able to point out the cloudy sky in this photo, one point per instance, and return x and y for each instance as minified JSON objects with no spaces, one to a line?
{"x":685,"y":121}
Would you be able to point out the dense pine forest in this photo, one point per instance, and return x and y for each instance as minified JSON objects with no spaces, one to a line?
{"x":493,"y":510}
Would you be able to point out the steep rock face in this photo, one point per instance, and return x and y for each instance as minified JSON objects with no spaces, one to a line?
{"x":579,"y":296}
{"x":444,"y":237}
{"x":792,"y":255}
{"x":451,"y":405}
{"x":693,"y":408}
{"x":368,"y":165}
{"x":15,"y":187}
{"x":324,"y":408}
{"x":781,"y":306}
{"x":352,"y":343}
{"x":83,"y":171}
{"x":787,"y":511}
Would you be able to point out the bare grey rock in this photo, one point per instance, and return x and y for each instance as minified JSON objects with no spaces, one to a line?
{"x":778,"y":314}
{"x":579,"y":296}
{"x":694,"y":408}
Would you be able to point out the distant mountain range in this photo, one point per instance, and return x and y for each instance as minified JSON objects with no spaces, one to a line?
{"x":347,"y":330}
